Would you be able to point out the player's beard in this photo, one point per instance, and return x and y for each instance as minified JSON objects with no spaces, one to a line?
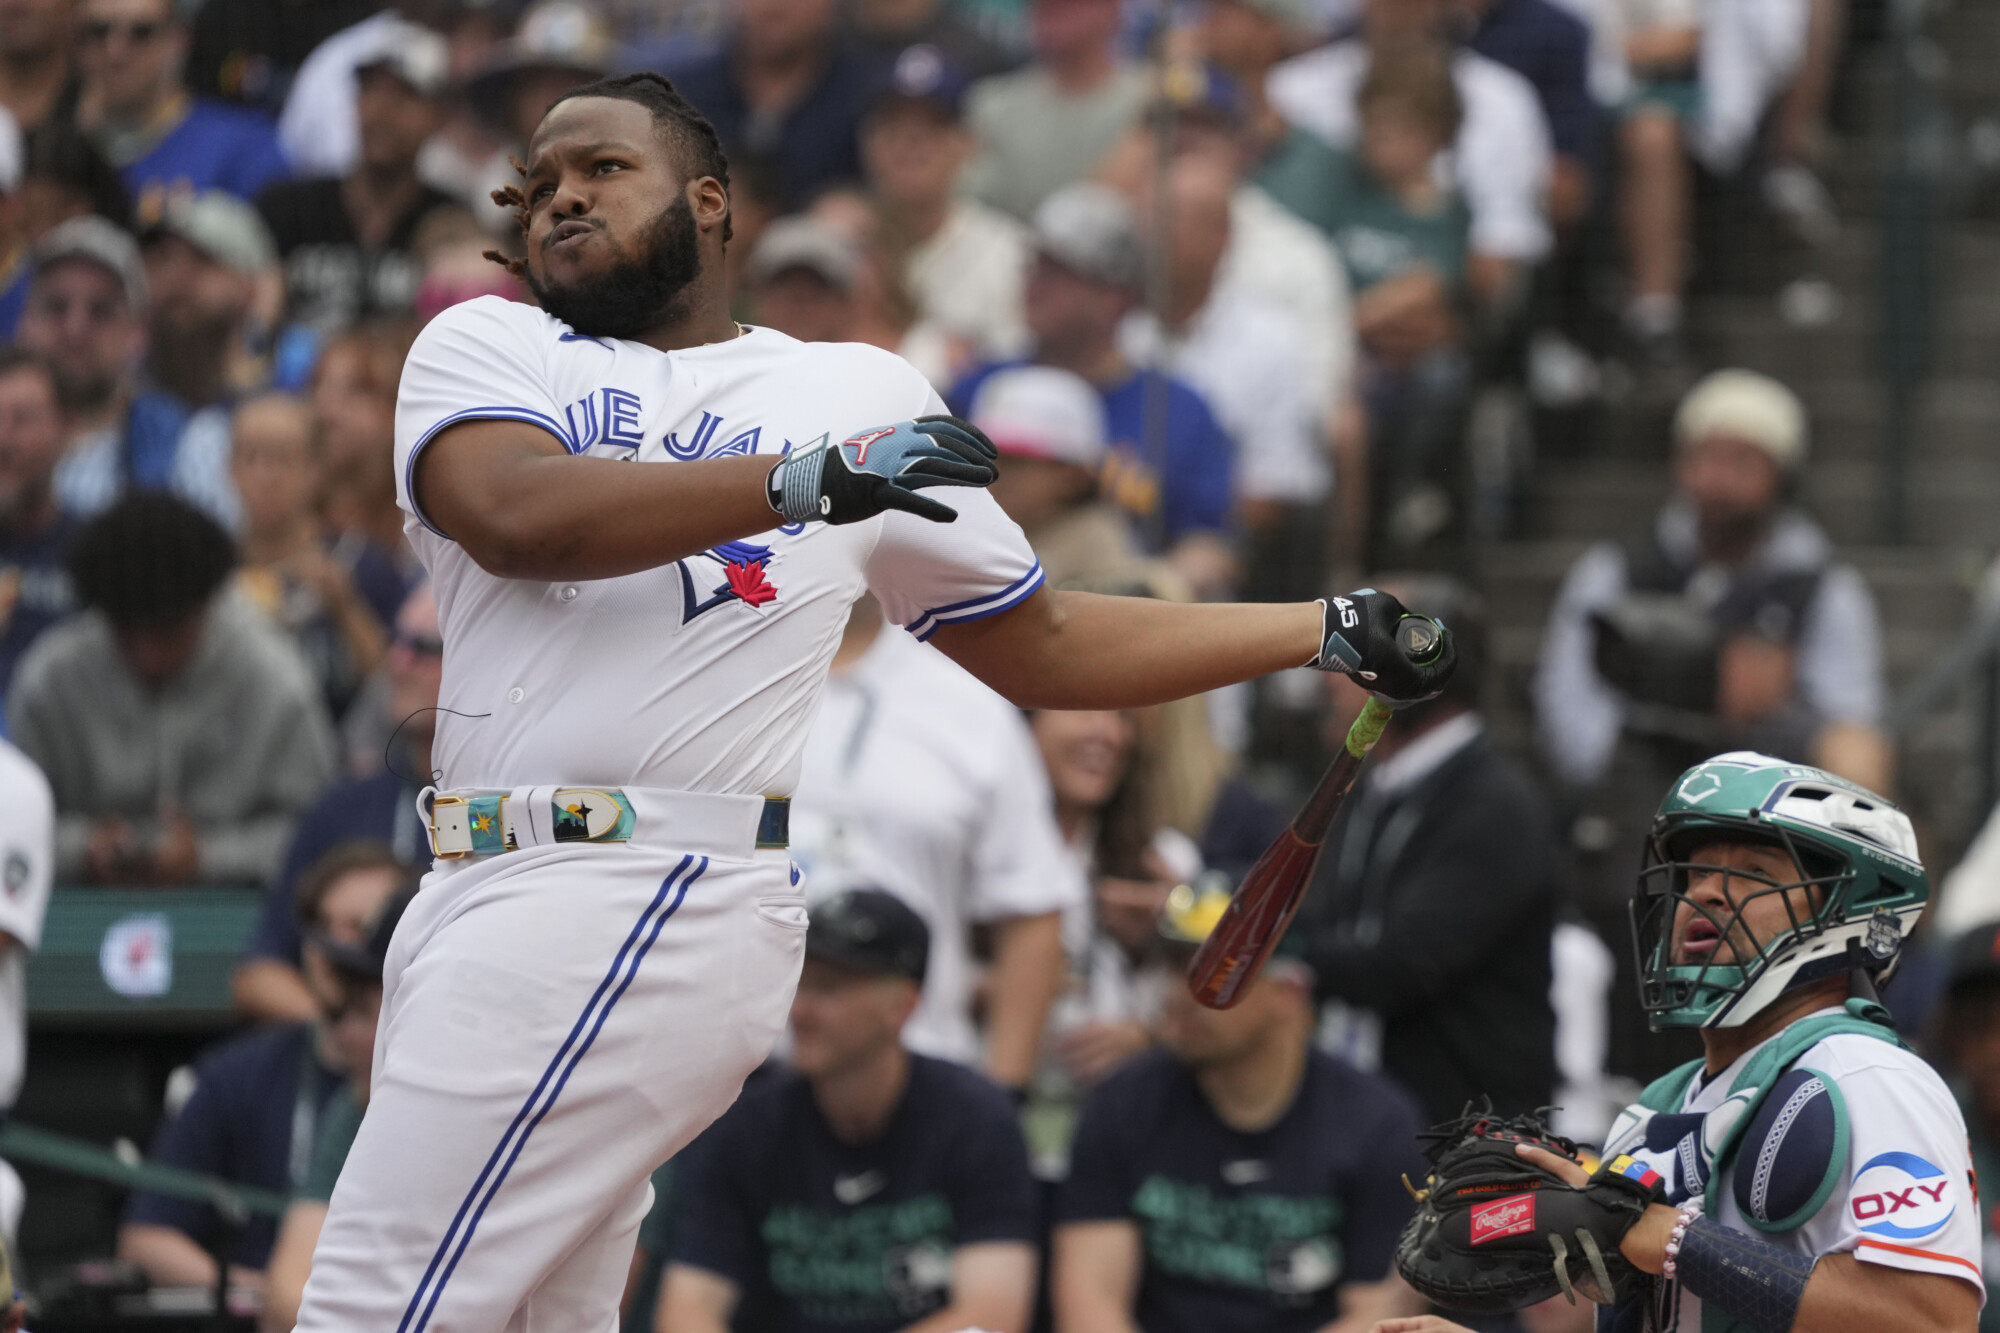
{"x":634,"y":294}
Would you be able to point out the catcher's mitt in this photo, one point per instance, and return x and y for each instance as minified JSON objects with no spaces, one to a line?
{"x":1495,"y":1233}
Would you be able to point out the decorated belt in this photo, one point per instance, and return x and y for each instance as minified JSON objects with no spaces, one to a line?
{"x":483,"y":825}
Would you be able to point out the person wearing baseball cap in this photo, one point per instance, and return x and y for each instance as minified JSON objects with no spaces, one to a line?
{"x":1049,"y":427}
{"x":1082,"y":283}
{"x":801,"y":278}
{"x":866,"y":1187}
{"x":347,"y":241}
{"x":962,"y":261}
{"x":207,"y":259}
{"x":1728,"y":624}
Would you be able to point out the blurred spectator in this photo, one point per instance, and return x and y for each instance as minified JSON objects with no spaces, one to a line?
{"x":320,"y":126}
{"x":86,"y":316}
{"x":346,"y":240}
{"x":560,"y":45}
{"x":356,"y":971}
{"x":37,"y":72}
{"x":1242,"y":352}
{"x":335,"y":596}
{"x":1731,"y":610}
{"x":962,"y":261}
{"x":1502,"y":156}
{"x":248,"y":50}
{"x":35,"y":530}
{"x":1966,"y":1049}
{"x":869,"y":1189}
{"x":1550,"y":48}
{"x":1429,"y":920}
{"x":353,"y":397}
{"x":801,"y":281}
{"x":1171,"y":463}
{"x":134,"y":107}
{"x":918,"y":780}
{"x":452,"y":252}
{"x":1404,"y":238}
{"x":1049,"y":428}
{"x":1728,"y":625}
{"x":253,"y":1114}
{"x":1047,"y":125}
{"x":62,"y":177}
{"x":181,"y":733}
{"x":210,"y":265}
{"x":379,"y":807}
{"x":1238,"y":1179}
{"x":785,"y":96}
{"x":27,"y":869}
{"x":881,"y":30}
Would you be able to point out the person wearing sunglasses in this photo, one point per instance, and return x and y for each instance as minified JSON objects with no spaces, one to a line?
{"x":133,"y":105}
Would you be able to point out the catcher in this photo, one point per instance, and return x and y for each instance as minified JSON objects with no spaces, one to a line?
{"x":1809,"y":1173}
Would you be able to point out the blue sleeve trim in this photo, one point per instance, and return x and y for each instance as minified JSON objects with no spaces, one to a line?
{"x":533,"y":418}
{"x":978,"y":608}
{"x":583,"y":338}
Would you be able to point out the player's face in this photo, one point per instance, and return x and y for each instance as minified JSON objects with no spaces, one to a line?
{"x":614,"y":229}
{"x":1732,"y":880}
{"x":842,"y":1018}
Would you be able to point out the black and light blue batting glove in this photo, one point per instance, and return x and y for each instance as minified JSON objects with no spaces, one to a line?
{"x":1399,"y":657}
{"x":883,"y":469}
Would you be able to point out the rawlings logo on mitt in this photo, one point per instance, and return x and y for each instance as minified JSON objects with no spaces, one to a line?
{"x":1495,"y":1232}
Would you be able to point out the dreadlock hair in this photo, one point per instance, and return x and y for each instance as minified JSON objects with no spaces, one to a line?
{"x":673,"y":114}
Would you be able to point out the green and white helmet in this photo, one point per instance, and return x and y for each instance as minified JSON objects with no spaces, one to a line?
{"x":1857,"y":857}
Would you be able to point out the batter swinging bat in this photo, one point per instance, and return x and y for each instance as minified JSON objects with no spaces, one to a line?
{"x":1270,"y":895}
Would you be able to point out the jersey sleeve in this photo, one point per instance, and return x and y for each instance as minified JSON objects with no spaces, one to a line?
{"x":992,"y":1192}
{"x":1100,"y":1185}
{"x":483,"y":360}
{"x":927,"y":575}
{"x":1907,"y":1199}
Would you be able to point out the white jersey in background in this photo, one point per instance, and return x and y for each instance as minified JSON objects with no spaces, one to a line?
{"x":921,"y":781}
{"x":1905,"y":1198}
{"x":27,"y":868}
{"x":701,"y":675}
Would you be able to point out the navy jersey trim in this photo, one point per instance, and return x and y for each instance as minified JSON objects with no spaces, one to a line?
{"x":978,"y":608}
{"x":532,"y":1112}
{"x":529,"y":415}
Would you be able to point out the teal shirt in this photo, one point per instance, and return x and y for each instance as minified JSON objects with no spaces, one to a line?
{"x":1377,"y":235}
{"x":339,"y":1122}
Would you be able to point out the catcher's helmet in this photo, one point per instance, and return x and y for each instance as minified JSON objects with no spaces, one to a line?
{"x":1857,"y":860}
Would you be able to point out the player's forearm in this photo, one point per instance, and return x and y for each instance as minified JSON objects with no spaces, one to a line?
{"x":1027,"y":973}
{"x":1846,"y":1295}
{"x":525,"y":509}
{"x":1078,"y":650}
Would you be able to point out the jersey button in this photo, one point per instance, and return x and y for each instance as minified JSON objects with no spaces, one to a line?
{"x":569,"y":594}
{"x":516,"y":694}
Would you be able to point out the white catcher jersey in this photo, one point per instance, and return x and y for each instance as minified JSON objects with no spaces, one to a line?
{"x":1906,"y":1198}
{"x":701,"y":675}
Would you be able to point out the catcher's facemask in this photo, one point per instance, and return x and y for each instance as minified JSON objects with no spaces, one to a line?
{"x":1709,"y":992}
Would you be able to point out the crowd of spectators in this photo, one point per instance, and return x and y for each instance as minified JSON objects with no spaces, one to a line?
{"x":1223,"y":286}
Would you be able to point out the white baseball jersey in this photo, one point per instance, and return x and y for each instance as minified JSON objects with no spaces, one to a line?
{"x":701,"y":675}
{"x":1905,"y":1198}
{"x":27,"y":867}
{"x":920,"y":780}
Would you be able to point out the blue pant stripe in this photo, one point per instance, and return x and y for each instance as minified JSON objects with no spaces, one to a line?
{"x":527,"y":1107}
{"x":631,"y":972}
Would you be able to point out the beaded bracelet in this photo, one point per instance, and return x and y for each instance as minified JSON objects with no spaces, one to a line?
{"x":1689,"y":1211}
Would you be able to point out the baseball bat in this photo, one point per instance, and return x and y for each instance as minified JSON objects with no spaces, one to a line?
{"x":1270,"y":894}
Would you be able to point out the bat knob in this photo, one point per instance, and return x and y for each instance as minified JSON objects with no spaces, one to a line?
{"x":1420,"y":638}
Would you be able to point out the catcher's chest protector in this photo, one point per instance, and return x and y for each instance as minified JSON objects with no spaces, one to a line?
{"x":1785,"y":1128}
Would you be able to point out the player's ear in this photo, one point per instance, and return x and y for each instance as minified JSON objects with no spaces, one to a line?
{"x":709,"y":202}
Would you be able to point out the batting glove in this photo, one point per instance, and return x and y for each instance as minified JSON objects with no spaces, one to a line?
{"x":1364,"y":635}
{"x":883,"y":469}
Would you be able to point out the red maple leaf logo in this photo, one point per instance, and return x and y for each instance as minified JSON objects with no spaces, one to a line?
{"x":748,"y":582}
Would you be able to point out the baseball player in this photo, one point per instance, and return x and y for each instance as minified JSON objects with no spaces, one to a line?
{"x":645,"y":526}
{"x":1810,"y":1173}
